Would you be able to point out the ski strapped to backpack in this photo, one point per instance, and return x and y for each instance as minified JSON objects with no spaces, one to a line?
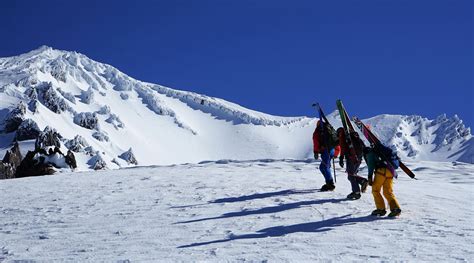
{"x":348,"y":129}
{"x":328,"y":132}
{"x":380,"y":149}
{"x":330,"y":139}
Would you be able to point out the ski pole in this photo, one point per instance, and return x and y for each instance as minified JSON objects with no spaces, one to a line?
{"x":334,"y":167}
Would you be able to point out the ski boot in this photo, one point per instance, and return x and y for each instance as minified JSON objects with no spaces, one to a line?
{"x":328,"y":187}
{"x":379,"y":212}
{"x":353,"y":196}
{"x":395,"y":212}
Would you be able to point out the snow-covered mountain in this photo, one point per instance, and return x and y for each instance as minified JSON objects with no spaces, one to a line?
{"x":112,"y":120}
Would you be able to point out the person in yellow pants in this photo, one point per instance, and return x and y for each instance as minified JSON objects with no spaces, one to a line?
{"x":383,"y":180}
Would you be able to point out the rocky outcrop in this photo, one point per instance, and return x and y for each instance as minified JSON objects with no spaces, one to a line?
{"x":10,"y":162}
{"x":50,"y":98}
{"x":115,"y":121}
{"x":87,"y":96}
{"x":13,"y":156}
{"x":87,"y":120}
{"x":78,"y":144}
{"x":6,"y":171}
{"x":43,"y":161}
{"x":97,"y":162}
{"x":15,"y":117}
{"x":71,"y":159}
{"x":100,"y":136}
{"x":129,"y":157}
{"x":27,"y":130}
{"x":48,"y":137}
{"x":30,"y":166}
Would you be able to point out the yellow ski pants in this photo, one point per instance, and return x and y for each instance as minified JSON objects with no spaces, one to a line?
{"x":384,"y":179}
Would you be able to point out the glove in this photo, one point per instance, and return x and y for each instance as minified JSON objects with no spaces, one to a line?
{"x":341,"y":162}
{"x":316,"y":155}
{"x":370,"y":181}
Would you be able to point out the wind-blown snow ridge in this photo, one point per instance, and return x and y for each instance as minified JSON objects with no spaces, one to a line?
{"x":103,"y":113}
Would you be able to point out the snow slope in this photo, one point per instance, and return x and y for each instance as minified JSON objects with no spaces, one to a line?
{"x":95,"y":103}
{"x":258,"y":211}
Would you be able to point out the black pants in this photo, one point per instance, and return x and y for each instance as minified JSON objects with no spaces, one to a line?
{"x":352,"y":168}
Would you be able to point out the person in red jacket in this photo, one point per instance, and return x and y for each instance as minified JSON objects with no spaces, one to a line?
{"x":353,"y":161}
{"x":321,"y":146}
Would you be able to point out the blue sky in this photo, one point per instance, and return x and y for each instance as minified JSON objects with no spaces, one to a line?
{"x":404,"y":57}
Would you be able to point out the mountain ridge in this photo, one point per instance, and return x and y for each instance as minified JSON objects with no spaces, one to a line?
{"x":113,"y":114}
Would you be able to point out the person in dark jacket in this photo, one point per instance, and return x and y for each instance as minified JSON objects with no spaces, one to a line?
{"x":327,"y":153}
{"x":353,"y":161}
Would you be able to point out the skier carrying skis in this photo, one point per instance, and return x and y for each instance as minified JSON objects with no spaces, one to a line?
{"x":326,"y":146}
{"x":384,"y":173}
{"x":353,"y":161}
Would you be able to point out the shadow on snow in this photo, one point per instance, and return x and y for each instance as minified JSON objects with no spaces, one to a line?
{"x":252,"y":197}
{"x":278,"y":231}
{"x":266,"y":210}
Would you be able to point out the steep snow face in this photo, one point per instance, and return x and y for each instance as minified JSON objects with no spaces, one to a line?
{"x":111,"y":113}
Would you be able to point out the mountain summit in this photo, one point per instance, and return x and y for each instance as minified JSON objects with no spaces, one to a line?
{"x":111,"y":120}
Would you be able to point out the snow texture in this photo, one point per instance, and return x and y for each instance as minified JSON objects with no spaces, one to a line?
{"x":234,"y":211}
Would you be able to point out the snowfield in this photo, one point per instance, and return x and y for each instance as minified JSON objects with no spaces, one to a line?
{"x":257,"y":211}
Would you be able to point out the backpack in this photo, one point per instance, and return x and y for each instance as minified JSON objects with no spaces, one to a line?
{"x":358,"y":145}
{"x":388,"y":153}
{"x":328,"y":137}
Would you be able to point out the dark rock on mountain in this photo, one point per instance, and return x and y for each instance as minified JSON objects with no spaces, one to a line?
{"x":71,"y":159}
{"x":48,"y":137}
{"x":78,"y":144}
{"x":97,"y":162}
{"x":10,"y":162}
{"x":87,"y":120}
{"x":15,"y":117}
{"x":100,"y":136}
{"x":32,"y":167}
{"x":50,"y":98}
{"x":129,"y":157}
{"x":27,"y":130}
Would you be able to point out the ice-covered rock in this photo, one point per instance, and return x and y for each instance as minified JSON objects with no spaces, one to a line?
{"x":100,"y":136}
{"x":48,"y":137}
{"x":77,"y":144}
{"x":71,"y":159}
{"x":15,"y":117}
{"x":87,"y":120}
{"x":27,"y":130}
{"x":97,"y":162}
{"x":115,"y":121}
{"x":87,"y":96}
{"x":129,"y":157}
{"x":10,"y":162}
{"x":104,"y":110}
{"x":50,"y":98}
